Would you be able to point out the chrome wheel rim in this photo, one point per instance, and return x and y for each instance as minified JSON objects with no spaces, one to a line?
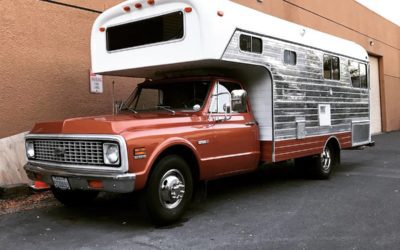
{"x":326,"y":160}
{"x":171,"y":189}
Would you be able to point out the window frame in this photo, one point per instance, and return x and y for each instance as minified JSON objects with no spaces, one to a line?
{"x":291,"y":52}
{"x":147,"y":44}
{"x":251,"y":44}
{"x":330,"y":58}
{"x":364,"y":84}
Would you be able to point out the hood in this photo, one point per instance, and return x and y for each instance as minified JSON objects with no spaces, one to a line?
{"x":111,"y":124}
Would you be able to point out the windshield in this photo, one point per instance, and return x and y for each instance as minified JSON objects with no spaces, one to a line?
{"x":174,"y":96}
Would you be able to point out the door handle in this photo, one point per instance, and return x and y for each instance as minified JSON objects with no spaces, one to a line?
{"x":251,"y":123}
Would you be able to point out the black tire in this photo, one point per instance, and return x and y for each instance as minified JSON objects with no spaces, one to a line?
{"x":323,"y":164}
{"x":73,"y":198}
{"x":320,"y":166}
{"x":164,"y":198}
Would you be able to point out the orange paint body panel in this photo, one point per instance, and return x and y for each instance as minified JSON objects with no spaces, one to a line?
{"x":290,"y":149}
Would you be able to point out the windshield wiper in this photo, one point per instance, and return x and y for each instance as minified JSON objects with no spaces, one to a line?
{"x":130,"y":109}
{"x":167,"y":108}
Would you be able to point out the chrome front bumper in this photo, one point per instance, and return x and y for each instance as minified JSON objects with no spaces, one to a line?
{"x":78,"y":180}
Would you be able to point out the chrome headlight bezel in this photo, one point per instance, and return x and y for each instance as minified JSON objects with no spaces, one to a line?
{"x":111,"y":154}
{"x":30,"y":149}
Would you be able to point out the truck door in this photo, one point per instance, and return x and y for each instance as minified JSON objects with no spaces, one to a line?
{"x":235,"y":134}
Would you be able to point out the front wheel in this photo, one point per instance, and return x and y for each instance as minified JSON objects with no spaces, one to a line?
{"x":169,"y":190}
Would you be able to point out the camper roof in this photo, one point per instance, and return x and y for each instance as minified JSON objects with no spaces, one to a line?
{"x":206,"y":29}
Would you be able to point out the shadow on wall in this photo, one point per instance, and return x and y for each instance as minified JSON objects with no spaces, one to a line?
{"x":12,"y":160}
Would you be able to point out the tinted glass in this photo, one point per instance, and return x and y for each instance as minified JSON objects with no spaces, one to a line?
{"x":256,"y":45}
{"x":148,"y":31}
{"x":335,"y":68}
{"x":354,"y":74}
{"x":327,"y":67}
{"x":290,"y":57}
{"x":363,"y":76}
{"x":245,"y":43}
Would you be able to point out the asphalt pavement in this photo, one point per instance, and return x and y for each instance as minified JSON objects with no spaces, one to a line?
{"x":276,"y":208}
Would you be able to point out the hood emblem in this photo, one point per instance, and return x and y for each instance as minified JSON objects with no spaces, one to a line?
{"x":59,"y":152}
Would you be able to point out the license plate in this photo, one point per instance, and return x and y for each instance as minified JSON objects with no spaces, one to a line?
{"x":61,"y":182}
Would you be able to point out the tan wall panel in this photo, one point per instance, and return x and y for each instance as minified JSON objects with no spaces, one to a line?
{"x":376,"y":117}
{"x":392,"y":88}
{"x":45,"y":59}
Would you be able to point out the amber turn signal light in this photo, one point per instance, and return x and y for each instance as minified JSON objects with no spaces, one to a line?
{"x":139,"y":153}
{"x":96,"y":184}
{"x":150,"y":2}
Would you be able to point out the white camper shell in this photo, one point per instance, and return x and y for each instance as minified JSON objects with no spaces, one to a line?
{"x":301,"y":82}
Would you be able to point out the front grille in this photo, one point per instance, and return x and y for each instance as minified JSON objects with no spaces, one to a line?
{"x":69,"y":151}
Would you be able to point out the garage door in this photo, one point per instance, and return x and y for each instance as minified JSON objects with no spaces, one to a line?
{"x":376,"y":121}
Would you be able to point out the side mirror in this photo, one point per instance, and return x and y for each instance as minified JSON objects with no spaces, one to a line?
{"x":227,"y":108}
{"x":239,"y":100}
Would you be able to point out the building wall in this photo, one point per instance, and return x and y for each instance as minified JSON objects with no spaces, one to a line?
{"x":45,"y":59}
{"x":350,"y":20}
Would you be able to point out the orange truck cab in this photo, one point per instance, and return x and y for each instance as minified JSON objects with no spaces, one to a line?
{"x":191,"y":122}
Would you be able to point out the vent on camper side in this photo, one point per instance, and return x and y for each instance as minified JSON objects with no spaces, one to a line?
{"x":360,"y":133}
{"x":149,"y":31}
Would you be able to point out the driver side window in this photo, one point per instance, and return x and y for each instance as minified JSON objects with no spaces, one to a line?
{"x":221,"y":96}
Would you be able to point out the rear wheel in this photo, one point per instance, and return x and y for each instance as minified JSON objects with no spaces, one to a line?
{"x":320,"y":166}
{"x":169,"y":190}
{"x":74,"y":197}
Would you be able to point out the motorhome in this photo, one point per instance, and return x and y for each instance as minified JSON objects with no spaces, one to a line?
{"x":226,"y":89}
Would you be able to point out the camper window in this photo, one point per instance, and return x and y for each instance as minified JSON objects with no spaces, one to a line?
{"x":289,"y":57}
{"x":331,"y":67}
{"x":354,"y":74}
{"x":363,"y":76}
{"x":149,"y":31}
{"x":358,"y":74}
{"x":251,"y":44}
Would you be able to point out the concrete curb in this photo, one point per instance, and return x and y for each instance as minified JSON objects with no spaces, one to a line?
{"x":15,"y":190}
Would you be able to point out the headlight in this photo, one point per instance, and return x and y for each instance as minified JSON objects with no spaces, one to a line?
{"x":30,"y":149}
{"x":111,"y":153}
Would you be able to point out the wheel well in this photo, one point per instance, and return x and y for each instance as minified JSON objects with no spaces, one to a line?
{"x":334,"y":144}
{"x":186,"y":154}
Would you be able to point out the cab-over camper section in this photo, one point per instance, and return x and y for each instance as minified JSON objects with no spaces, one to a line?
{"x":301,"y":82}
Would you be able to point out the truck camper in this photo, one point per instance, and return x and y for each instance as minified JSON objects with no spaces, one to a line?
{"x":227,"y":89}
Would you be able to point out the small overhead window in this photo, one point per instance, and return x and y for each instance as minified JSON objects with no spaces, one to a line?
{"x":251,"y":44}
{"x":358,"y":74}
{"x":144,"y":32}
{"x":331,"y":67}
{"x":289,"y":57}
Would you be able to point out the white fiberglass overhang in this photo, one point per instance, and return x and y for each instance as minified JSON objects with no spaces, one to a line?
{"x":208,"y":26}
